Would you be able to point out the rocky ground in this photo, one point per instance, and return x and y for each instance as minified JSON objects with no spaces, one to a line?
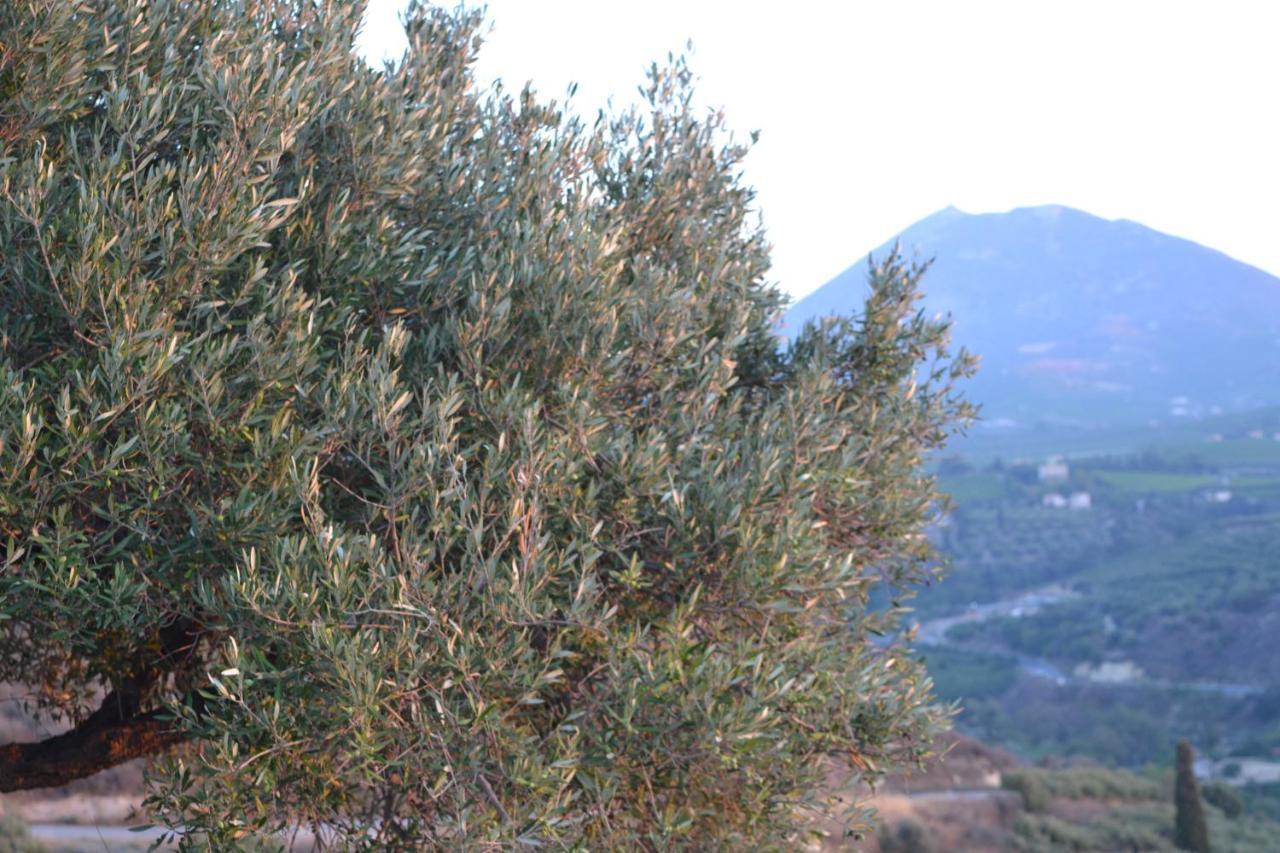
{"x":956,"y":799}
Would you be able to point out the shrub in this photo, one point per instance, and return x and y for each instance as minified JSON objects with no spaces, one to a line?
{"x":1224,"y":797}
{"x":906,"y":836}
{"x":1030,"y":784}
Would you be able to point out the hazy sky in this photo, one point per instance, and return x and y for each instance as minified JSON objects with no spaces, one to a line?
{"x":874,"y":115}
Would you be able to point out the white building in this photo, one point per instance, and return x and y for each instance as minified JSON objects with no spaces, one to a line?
{"x":1239,"y":771}
{"x":1054,"y":469}
{"x":1110,"y":672}
{"x":1080,"y":500}
{"x":1054,"y":500}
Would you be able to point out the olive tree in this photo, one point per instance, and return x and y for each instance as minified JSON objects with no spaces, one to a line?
{"x":419,"y":462}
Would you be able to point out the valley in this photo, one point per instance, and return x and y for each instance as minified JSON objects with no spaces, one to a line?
{"x":1110,"y":579}
{"x":1109,"y":632}
{"x":937,"y":634}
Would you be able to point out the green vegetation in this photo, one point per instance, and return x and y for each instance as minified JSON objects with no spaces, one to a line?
{"x":1208,"y":596}
{"x":15,"y":837}
{"x":1126,"y":726}
{"x":1143,"y":827}
{"x":1096,"y":783}
{"x":1240,"y":451}
{"x":966,"y":676}
{"x":998,"y":548}
{"x":1262,"y":800}
{"x":1042,"y":833}
{"x":1154,"y":482}
{"x":1185,"y":440}
{"x":978,"y":485}
{"x":422,"y":458}
{"x":1125,"y":811}
{"x":1159,"y":574}
{"x":1225,"y":798}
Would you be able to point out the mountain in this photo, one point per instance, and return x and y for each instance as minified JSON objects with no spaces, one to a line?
{"x":1085,"y":321}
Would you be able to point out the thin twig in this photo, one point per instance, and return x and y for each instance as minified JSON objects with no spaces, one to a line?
{"x":493,"y":798}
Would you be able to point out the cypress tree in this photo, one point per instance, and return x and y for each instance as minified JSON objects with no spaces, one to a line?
{"x":1191,"y":832}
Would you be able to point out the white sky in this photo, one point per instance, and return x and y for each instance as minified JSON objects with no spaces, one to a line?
{"x":875,"y":114}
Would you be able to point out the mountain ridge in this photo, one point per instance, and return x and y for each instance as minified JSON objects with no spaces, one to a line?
{"x":1086,"y":321}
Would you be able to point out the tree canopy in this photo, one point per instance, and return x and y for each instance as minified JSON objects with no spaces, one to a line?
{"x":419,"y":461}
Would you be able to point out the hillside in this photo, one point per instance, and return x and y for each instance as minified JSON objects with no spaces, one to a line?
{"x":1087,"y":322}
{"x":1112,"y":629}
{"x":971,"y":797}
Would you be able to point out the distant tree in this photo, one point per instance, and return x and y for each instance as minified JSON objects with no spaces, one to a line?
{"x":422,"y":460}
{"x":1191,"y":832}
{"x":1025,"y":474}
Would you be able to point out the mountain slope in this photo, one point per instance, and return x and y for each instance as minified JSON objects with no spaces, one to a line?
{"x":1081,"y":320}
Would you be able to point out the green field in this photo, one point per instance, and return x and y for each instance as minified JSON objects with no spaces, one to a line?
{"x":1230,"y":452}
{"x":1181,"y":438}
{"x":1143,"y":482}
{"x":980,"y":485}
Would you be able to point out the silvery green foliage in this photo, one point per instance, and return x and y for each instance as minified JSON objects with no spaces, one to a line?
{"x":449,"y":436}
